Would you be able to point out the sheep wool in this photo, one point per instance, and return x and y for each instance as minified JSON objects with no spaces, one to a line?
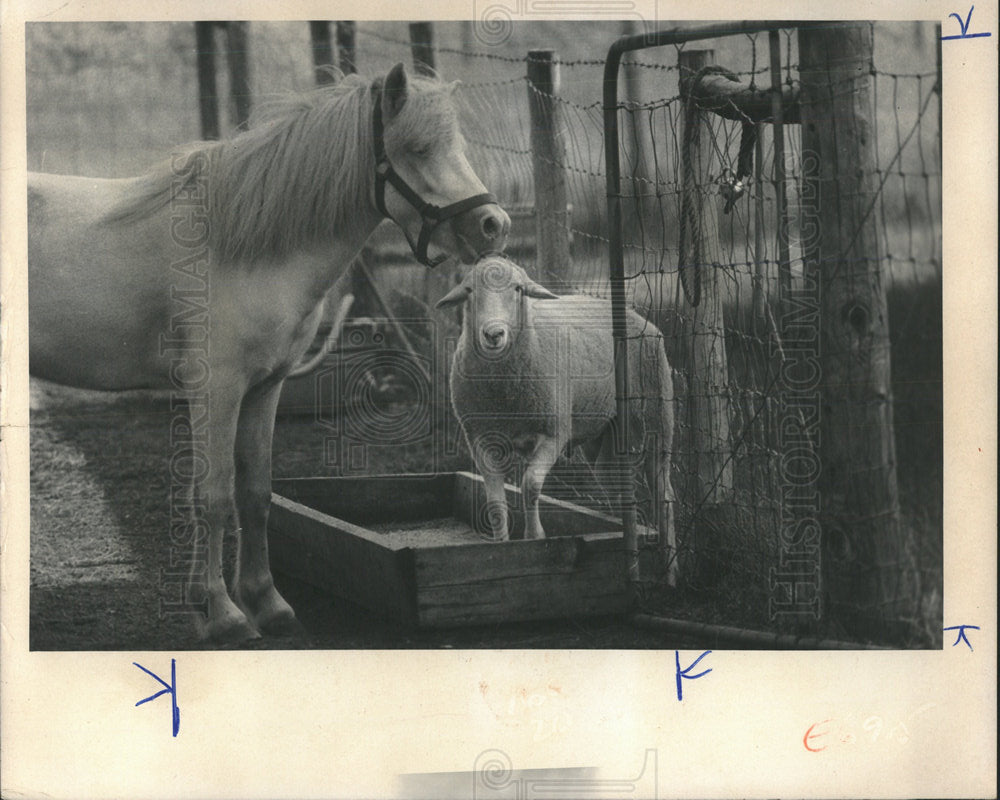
{"x":533,"y":375}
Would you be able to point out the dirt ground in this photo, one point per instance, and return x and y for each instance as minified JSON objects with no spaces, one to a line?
{"x":100,"y":537}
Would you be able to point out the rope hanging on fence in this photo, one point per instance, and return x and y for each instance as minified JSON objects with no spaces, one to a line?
{"x":688,"y":263}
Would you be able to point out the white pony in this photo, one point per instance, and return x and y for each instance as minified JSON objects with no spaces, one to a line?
{"x":207,"y":278}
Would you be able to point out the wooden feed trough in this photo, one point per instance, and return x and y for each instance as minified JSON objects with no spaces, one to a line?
{"x":406,"y":546}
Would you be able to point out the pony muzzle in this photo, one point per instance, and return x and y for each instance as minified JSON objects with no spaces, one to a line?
{"x":477,"y":231}
{"x":481,"y":231}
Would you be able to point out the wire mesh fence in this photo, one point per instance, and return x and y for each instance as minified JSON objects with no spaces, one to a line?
{"x":758,"y":528}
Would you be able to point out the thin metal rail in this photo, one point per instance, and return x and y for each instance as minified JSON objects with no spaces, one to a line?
{"x":780,"y":193}
{"x":729,"y":636}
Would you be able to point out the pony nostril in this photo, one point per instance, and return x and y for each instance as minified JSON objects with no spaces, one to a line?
{"x":491,"y":226}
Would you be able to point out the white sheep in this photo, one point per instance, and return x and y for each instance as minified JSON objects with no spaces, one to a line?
{"x":533,"y":374}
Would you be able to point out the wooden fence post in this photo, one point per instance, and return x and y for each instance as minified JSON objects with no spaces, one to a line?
{"x":208,"y":96}
{"x":468,"y":42}
{"x":548,"y":157}
{"x":238,"y":56}
{"x":345,"y":48}
{"x":422,"y":47}
{"x":322,"y":49}
{"x":868,"y":570}
{"x":710,"y":488}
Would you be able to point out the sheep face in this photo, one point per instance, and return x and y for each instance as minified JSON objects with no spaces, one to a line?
{"x":494,"y":319}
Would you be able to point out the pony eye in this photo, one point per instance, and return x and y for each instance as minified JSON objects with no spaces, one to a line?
{"x":422,"y":151}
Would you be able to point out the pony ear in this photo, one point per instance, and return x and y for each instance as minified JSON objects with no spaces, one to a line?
{"x":453,"y":86}
{"x":394,"y":91}
{"x":457,"y":295}
{"x":536,"y":290}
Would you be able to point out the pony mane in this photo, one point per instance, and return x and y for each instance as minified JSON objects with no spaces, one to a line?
{"x":301,"y":175}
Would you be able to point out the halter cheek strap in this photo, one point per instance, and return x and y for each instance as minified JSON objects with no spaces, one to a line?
{"x":430,"y":214}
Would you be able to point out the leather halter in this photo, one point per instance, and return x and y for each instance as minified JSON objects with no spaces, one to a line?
{"x":431,"y":214}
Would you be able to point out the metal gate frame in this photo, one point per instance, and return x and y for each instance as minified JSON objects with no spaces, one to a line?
{"x":616,"y":254}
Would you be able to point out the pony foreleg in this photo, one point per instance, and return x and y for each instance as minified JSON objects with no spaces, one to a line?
{"x":254,"y":586}
{"x":213,"y":492}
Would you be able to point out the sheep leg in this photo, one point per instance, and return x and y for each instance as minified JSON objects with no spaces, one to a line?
{"x":496,"y":505}
{"x":540,"y":462}
{"x":496,"y":496}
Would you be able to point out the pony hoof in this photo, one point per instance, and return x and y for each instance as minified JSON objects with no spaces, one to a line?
{"x":230,"y":630}
{"x":282,"y":623}
{"x":271,"y":613}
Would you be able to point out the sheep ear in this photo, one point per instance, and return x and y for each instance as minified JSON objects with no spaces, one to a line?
{"x":394,"y":91}
{"x":457,"y":295}
{"x":532,"y":289}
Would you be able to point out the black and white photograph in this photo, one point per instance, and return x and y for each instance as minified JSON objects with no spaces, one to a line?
{"x":514,"y":337}
{"x":410,"y":244}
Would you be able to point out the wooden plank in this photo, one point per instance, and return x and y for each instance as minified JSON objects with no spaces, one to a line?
{"x":368,"y":499}
{"x":558,"y":517}
{"x":598,"y":589}
{"x":451,"y":565}
{"x":340,"y":558}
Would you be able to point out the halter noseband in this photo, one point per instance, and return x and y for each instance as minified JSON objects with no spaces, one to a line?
{"x":431,"y":214}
